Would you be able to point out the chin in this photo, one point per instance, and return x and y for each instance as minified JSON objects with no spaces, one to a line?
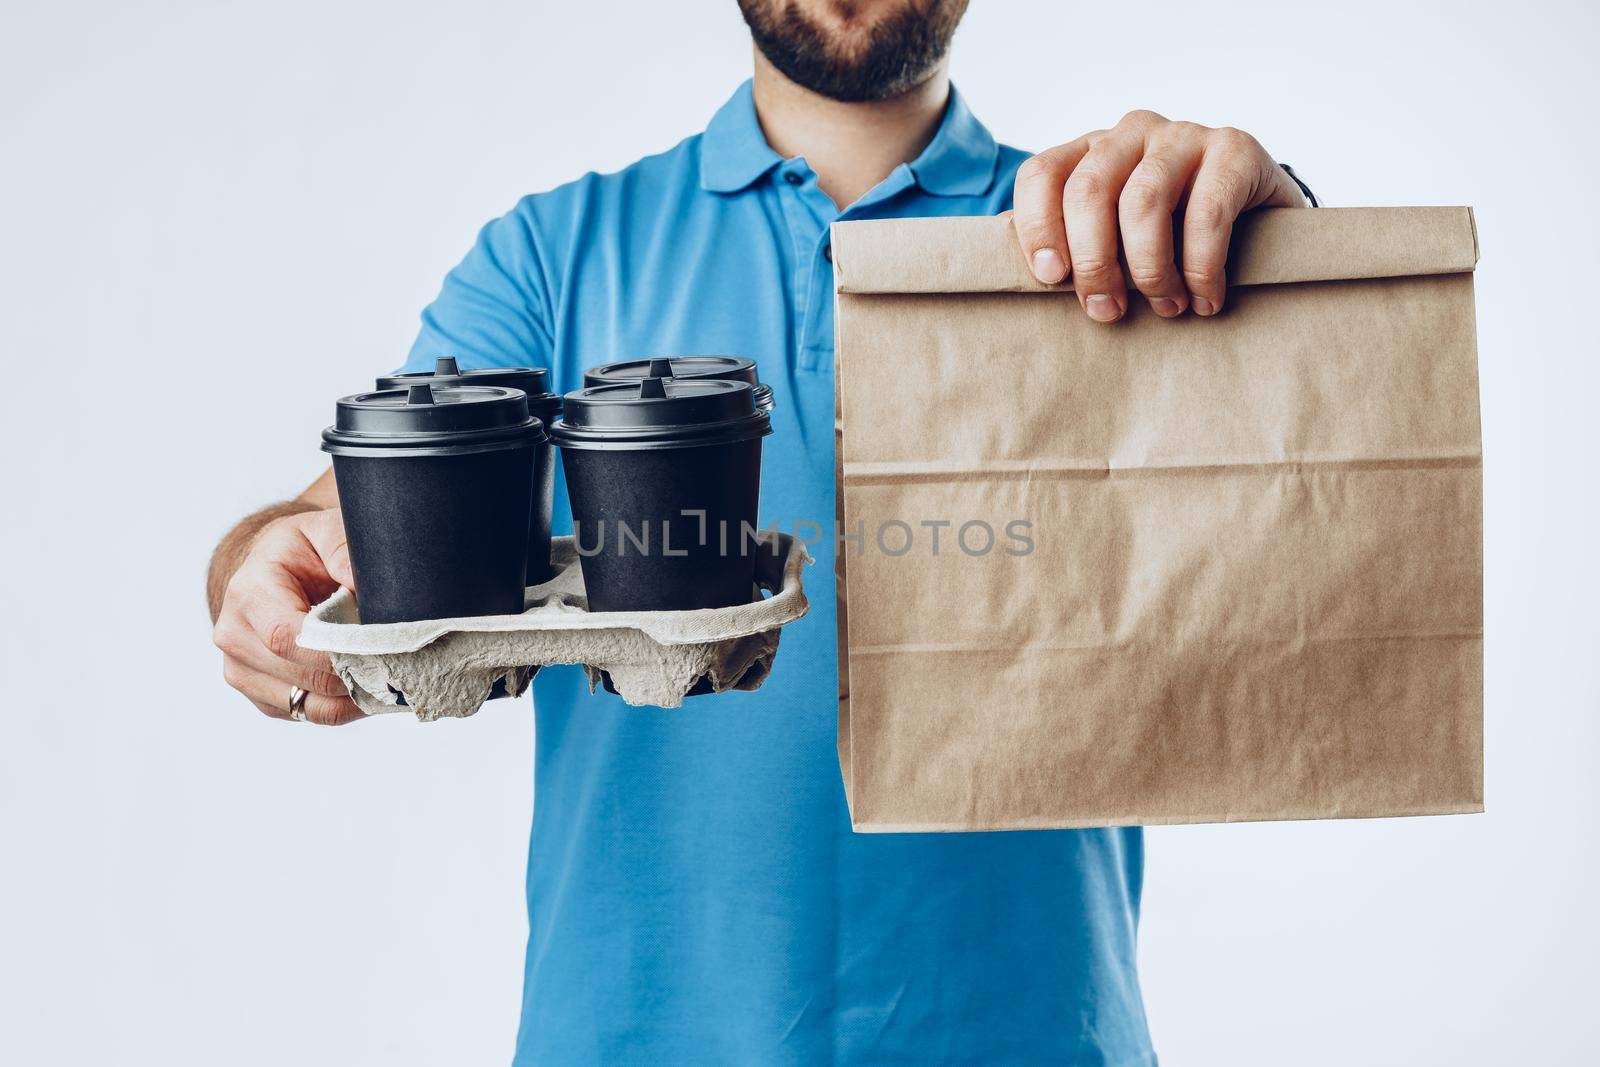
{"x":854,"y":50}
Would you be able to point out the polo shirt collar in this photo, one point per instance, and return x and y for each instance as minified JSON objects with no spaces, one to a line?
{"x":959,"y":161}
{"x":733,"y":151}
{"x":961,"y":158}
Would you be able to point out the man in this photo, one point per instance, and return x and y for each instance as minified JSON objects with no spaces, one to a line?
{"x":695,"y":893}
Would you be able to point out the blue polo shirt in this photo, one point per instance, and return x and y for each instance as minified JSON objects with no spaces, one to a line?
{"x":695,"y":892}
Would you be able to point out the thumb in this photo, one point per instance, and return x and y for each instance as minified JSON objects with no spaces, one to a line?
{"x":325,"y":531}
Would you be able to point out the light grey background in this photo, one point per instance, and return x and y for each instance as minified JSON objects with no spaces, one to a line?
{"x":215,"y":217}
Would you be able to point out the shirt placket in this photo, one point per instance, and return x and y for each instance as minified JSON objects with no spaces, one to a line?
{"x":810,"y":212}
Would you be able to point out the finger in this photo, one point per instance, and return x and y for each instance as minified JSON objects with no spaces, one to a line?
{"x":1284,"y":191}
{"x":332,"y":711}
{"x":271,"y":696}
{"x":1090,"y":203}
{"x":238,"y":641}
{"x":1036,"y":213}
{"x":1145,"y":210}
{"x":273,"y":609}
{"x":324,"y":531}
{"x":1228,"y":181}
{"x":310,"y":550}
{"x":306,"y":561}
{"x":269,"y":597}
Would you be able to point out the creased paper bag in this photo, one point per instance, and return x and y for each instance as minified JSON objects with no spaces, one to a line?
{"x":1198,"y":570}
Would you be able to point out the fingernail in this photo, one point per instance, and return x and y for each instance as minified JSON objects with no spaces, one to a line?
{"x":1202,"y":306}
{"x":1103,"y":309}
{"x":1165,"y":308}
{"x":1048,"y":266}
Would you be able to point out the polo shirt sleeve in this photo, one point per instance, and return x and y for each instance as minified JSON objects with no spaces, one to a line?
{"x":494,"y":307}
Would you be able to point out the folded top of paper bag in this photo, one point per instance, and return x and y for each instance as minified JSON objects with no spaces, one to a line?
{"x":1272,"y":247}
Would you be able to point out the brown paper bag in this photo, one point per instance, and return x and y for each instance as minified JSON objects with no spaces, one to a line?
{"x":1247,"y":579}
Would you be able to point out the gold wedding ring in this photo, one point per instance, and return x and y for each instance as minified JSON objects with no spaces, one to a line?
{"x":297,"y":703}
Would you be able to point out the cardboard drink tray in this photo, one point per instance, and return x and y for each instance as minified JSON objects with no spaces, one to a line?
{"x":447,"y":668}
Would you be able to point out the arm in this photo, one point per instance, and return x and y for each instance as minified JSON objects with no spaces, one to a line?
{"x":275,"y":565}
{"x":265,"y":575}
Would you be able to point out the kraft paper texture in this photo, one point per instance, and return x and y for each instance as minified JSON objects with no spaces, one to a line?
{"x":1254,"y":589}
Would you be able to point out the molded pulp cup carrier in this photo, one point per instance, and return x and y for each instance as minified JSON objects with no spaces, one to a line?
{"x":691,"y":368}
{"x":664,"y":477}
{"x":542,"y":405}
{"x":436,"y":484}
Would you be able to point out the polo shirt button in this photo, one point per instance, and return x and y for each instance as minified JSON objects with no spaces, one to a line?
{"x":792,"y":178}
{"x":827,"y":251}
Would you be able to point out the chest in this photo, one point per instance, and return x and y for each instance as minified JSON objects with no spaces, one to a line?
{"x":748,"y":275}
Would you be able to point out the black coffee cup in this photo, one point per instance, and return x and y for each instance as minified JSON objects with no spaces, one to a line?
{"x":693,"y":368}
{"x":542,"y":405}
{"x":664,"y":478}
{"x":436,"y":484}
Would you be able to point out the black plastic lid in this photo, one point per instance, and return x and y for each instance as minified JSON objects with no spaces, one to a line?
{"x":432,"y":420}
{"x":693,"y":368}
{"x":535,"y":381}
{"x":661,"y":413}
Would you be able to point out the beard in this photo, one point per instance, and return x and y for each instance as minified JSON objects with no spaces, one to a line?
{"x":884,"y":59}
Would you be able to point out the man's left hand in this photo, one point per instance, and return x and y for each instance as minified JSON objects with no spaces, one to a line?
{"x":1078,"y":203}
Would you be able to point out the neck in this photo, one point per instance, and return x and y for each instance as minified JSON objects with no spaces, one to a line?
{"x":850,"y":147}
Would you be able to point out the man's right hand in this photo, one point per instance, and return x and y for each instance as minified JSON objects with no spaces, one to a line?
{"x":292,"y":563}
